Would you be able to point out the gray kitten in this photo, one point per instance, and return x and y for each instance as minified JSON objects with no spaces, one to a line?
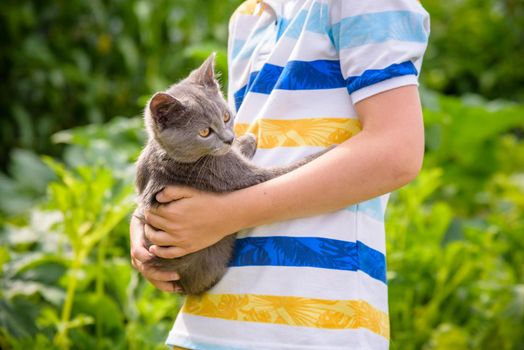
{"x":191,"y":142}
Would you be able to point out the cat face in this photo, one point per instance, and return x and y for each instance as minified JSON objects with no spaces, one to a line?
{"x":191,"y":119}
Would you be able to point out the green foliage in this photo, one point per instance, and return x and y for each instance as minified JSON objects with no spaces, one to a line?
{"x":68,"y":63}
{"x":65,"y":272}
{"x":91,"y":204}
{"x":476,"y":46}
{"x":455,"y":283}
{"x":455,"y":235}
{"x":474,"y":139}
{"x":28,"y":181}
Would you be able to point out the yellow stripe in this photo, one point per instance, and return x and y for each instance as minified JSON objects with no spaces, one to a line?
{"x":292,"y":311}
{"x":322,"y":132}
{"x":249,"y":7}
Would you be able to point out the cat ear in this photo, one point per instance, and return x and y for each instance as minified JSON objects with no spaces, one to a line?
{"x":161,"y":105}
{"x":205,"y":74}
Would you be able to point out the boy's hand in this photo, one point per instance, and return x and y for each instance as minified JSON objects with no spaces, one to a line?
{"x":163,"y":280}
{"x":188,"y":220}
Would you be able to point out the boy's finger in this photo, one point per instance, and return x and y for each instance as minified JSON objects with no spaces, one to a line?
{"x":158,"y":237}
{"x":137,"y":265}
{"x":168,"y":252}
{"x":157,"y":221}
{"x":164,"y":286}
{"x":173,"y":193}
{"x":140,"y":253}
{"x":152,"y":273}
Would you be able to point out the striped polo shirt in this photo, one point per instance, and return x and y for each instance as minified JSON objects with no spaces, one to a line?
{"x":296,"y":70}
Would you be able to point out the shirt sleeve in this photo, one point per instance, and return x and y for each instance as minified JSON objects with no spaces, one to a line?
{"x":380,"y":43}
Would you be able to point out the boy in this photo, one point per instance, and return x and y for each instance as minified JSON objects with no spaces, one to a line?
{"x":311,"y":274}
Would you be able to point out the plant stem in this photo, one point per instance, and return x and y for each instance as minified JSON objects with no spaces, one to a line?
{"x":61,"y":338}
{"x":102,"y":247}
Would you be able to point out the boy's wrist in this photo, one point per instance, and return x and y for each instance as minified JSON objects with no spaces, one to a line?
{"x":246,"y":208}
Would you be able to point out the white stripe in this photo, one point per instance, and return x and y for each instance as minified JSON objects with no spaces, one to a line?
{"x":371,"y":232}
{"x":241,"y":72}
{"x":265,"y":336}
{"x":384,"y":199}
{"x":344,"y":225}
{"x":319,"y":48}
{"x":339,"y":225}
{"x":251,"y":108}
{"x":385,"y":85}
{"x":264,"y":50}
{"x":297,"y":104}
{"x":242,"y":26}
{"x":308,"y":282}
{"x":281,"y":51}
{"x":356,"y":60}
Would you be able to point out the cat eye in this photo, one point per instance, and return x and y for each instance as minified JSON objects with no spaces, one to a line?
{"x":227,"y":117}
{"x":204,"y":132}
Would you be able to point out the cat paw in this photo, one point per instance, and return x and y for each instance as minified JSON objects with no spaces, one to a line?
{"x":247,"y":144}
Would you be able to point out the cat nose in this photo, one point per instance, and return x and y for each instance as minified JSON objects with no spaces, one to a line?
{"x":230,"y":140}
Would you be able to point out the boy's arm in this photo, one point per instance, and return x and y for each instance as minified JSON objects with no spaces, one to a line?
{"x":384,"y":156}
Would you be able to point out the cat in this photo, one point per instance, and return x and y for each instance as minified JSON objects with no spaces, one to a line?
{"x":192,"y":143}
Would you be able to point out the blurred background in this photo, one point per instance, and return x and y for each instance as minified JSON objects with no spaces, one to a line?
{"x":75,"y":77}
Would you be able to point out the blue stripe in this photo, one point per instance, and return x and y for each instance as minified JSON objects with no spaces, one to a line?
{"x":264,"y":81}
{"x":297,"y":75}
{"x":370,"y":28}
{"x":293,"y":27}
{"x":379,"y":27}
{"x":237,"y":47}
{"x":372,"y":208}
{"x":334,"y":36}
{"x":373,"y":76}
{"x":283,"y":23}
{"x":315,"y":75}
{"x":239,"y":97}
{"x":318,"y":21}
{"x":314,"y":252}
